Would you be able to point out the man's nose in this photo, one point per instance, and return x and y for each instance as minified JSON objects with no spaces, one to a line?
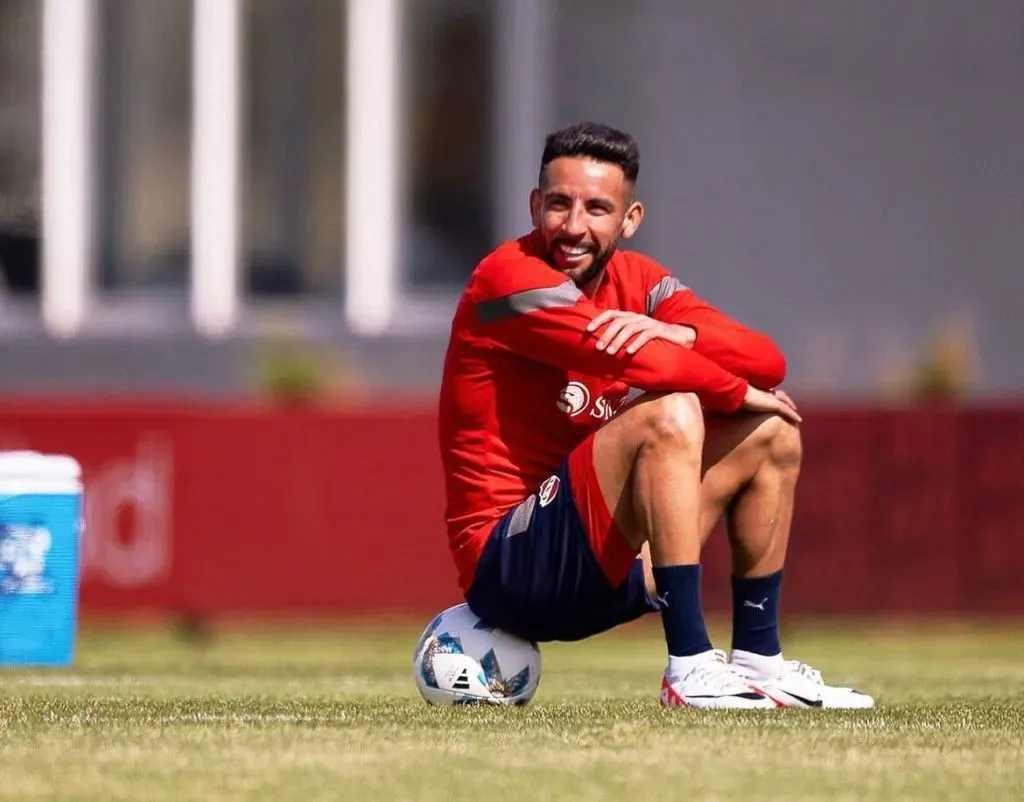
{"x":575,"y":223}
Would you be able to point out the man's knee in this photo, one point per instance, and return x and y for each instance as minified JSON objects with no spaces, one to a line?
{"x":673,"y":420}
{"x":782,"y":442}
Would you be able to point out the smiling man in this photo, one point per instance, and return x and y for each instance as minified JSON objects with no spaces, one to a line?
{"x":597,"y":420}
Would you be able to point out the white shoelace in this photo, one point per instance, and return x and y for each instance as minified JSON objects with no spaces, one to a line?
{"x":717,"y":674}
{"x":808,"y":672}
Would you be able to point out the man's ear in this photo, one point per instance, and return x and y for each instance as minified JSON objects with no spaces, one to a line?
{"x":631,"y":222}
{"x":535,"y":202}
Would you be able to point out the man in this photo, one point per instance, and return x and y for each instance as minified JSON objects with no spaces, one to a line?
{"x":597,"y":419}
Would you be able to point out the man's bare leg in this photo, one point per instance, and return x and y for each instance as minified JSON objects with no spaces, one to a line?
{"x":749,"y":466}
{"x":648,"y":462}
{"x":752,"y":469}
{"x":758,"y":514}
{"x":668,"y":432}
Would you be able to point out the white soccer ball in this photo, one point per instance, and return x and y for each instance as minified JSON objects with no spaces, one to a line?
{"x":460,"y":660}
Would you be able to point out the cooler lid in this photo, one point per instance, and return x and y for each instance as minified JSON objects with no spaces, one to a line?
{"x":33,"y":465}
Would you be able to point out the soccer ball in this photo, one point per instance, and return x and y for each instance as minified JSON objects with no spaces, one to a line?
{"x":461,"y":660}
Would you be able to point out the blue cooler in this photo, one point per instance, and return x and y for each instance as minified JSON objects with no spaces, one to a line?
{"x":40,"y":528}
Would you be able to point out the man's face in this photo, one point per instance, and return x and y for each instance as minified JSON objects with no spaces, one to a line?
{"x":581,"y":210}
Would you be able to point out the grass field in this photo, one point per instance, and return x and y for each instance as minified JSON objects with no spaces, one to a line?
{"x":310,"y":715}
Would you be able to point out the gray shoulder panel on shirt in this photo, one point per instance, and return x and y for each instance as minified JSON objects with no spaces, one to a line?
{"x":522,"y":303}
{"x":663,"y":289}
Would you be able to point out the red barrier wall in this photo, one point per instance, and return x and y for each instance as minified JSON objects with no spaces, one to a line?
{"x":231,"y":509}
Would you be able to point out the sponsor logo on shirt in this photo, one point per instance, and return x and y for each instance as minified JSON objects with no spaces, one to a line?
{"x":548,"y":490}
{"x":575,"y":400}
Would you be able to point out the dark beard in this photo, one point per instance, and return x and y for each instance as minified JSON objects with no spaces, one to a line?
{"x":597,"y":266}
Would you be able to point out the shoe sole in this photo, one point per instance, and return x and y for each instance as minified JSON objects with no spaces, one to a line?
{"x":671,"y":698}
{"x":803,"y":704}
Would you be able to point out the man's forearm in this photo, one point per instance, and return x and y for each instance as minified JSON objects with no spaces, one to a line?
{"x":748,"y":354}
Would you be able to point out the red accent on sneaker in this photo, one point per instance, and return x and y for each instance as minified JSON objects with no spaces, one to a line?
{"x":763,"y":692}
{"x":669,"y":697}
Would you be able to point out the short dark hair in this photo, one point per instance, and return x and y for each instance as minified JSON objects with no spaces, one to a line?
{"x":595,"y":141}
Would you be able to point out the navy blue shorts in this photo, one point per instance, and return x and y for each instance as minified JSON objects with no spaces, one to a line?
{"x":550,"y":573}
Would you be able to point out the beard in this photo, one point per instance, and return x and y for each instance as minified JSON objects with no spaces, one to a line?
{"x":597,"y":266}
{"x":598,"y":262}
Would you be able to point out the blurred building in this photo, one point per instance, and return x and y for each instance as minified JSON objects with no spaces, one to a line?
{"x":846,"y":175}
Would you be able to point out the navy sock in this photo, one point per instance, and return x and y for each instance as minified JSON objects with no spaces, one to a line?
{"x":755,"y":614}
{"x":681,"y":613}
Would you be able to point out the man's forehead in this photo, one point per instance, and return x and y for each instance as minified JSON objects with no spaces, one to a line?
{"x":582,"y":175}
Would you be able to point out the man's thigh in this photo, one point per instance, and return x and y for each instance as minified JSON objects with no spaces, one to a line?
{"x":556,"y":567}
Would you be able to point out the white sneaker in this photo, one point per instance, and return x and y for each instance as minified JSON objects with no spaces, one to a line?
{"x":790,"y":683}
{"x":707,"y":681}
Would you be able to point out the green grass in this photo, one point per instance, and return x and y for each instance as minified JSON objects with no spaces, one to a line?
{"x":309,"y":715}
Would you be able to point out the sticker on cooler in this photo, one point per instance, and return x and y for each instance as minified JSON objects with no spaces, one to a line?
{"x":23,"y":551}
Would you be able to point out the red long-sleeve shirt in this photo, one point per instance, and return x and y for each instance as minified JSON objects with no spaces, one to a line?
{"x":524,"y":383}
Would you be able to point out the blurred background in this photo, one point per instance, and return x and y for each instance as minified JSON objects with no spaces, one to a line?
{"x":210,"y":203}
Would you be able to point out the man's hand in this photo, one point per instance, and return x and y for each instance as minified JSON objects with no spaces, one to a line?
{"x":637,"y":330}
{"x":784,"y":398}
{"x":777,"y":403}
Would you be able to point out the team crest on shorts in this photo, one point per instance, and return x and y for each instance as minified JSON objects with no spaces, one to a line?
{"x":548,"y":490}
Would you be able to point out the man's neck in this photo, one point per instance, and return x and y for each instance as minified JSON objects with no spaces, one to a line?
{"x":591,"y":287}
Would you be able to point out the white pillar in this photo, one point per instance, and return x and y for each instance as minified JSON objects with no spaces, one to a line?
{"x":524,"y":103}
{"x":68,"y":79}
{"x":373,"y":195}
{"x":216,"y":143}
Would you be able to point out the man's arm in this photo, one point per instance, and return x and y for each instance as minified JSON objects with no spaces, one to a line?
{"x":726,"y":342}
{"x":544,"y":317}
